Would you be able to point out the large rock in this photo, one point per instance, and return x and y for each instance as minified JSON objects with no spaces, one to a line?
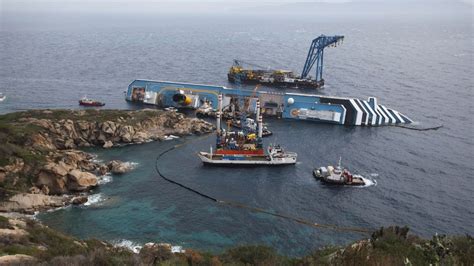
{"x":18,"y":259}
{"x":84,"y":129}
{"x":42,"y":142}
{"x":76,"y":159}
{"x":102,"y":169}
{"x":108,"y":144}
{"x":68,"y":129}
{"x":29,"y":203}
{"x":55,"y":183}
{"x":79,"y":200}
{"x":53,"y":175}
{"x":109,"y":127}
{"x":69,"y":144}
{"x":119,"y":167}
{"x":80,"y":181}
{"x":140,"y":137}
{"x":57,"y":169}
{"x":44,"y":123}
{"x":126,"y":133}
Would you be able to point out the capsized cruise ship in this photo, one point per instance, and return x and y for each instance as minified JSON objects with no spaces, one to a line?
{"x":323,"y":109}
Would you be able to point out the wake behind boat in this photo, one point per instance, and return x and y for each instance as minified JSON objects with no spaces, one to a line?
{"x":244,"y":148}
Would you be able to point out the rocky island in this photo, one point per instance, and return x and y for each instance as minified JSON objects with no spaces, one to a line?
{"x":41,"y":162}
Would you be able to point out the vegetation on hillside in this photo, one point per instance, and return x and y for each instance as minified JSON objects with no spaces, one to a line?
{"x":387,"y":246}
{"x":20,"y":158}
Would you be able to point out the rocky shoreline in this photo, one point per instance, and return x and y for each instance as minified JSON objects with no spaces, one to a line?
{"x":27,"y":242}
{"x":41,"y":166}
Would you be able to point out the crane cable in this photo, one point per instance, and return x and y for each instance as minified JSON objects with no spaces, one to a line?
{"x":251,"y":208}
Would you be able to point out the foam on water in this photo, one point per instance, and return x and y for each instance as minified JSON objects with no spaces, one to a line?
{"x":57,"y":209}
{"x":134,"y":247}
{"x":368,"y":182}
{"x":177,"y":249}
{"x":131,"y":165}
{"x":171,"y":137}
{"x":94,"y":199}
{"x":104,"y":179}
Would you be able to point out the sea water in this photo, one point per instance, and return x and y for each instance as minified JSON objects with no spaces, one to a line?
{"x":422,"y":68}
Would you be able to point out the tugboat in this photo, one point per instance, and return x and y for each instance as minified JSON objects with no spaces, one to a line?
{"x":89,"y":102}
{"x":2,"y":97}
{"x":240,"y":148}
{"x":338,"y":176}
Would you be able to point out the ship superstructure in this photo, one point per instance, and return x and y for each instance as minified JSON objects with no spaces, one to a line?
{"x":244,"y":148}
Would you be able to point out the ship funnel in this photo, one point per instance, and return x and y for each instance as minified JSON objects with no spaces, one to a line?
{"x":182,"y":99}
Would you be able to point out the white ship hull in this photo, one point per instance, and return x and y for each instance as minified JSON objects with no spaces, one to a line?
{"x":207,"y":158}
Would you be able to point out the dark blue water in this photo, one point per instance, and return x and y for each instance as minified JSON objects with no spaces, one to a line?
{"x":422,"y":68}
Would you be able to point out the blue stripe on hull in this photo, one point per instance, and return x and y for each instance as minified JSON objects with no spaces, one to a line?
{"x":324,"y":109}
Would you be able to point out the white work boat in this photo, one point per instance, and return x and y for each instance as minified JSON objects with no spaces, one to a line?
{"x":2,"y":97}
{"x":338,"y":176}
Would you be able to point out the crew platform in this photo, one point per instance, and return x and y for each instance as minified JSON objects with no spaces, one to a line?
{"x":324,"y":109}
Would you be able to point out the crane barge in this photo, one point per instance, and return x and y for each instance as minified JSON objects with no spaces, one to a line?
{"x":244,"y":148}
{"x":286,"y":78}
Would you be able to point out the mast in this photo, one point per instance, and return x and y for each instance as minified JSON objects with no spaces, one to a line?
{"x":259,"y":125}
{"x":219,"y":112}
{"x":218,"y":122}
{"x":259,"y":120}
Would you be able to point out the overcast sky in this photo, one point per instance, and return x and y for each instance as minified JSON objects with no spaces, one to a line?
{"x":211,"y":6}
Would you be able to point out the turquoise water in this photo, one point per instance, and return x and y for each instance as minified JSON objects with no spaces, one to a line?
{"x":142,"y":207}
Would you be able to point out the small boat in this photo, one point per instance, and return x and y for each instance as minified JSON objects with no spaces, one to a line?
{"x":338,"y":176}
{"x":2,"y":97}
{"x":89,"y":102}
{"x":244,"y":148}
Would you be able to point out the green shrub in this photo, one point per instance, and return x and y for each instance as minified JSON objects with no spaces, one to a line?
{"x":56,"y":243}
{"x":253,"y":255}
{"x":4,"y":223}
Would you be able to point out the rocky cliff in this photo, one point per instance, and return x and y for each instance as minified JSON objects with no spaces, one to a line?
{"x":39,"y":149}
